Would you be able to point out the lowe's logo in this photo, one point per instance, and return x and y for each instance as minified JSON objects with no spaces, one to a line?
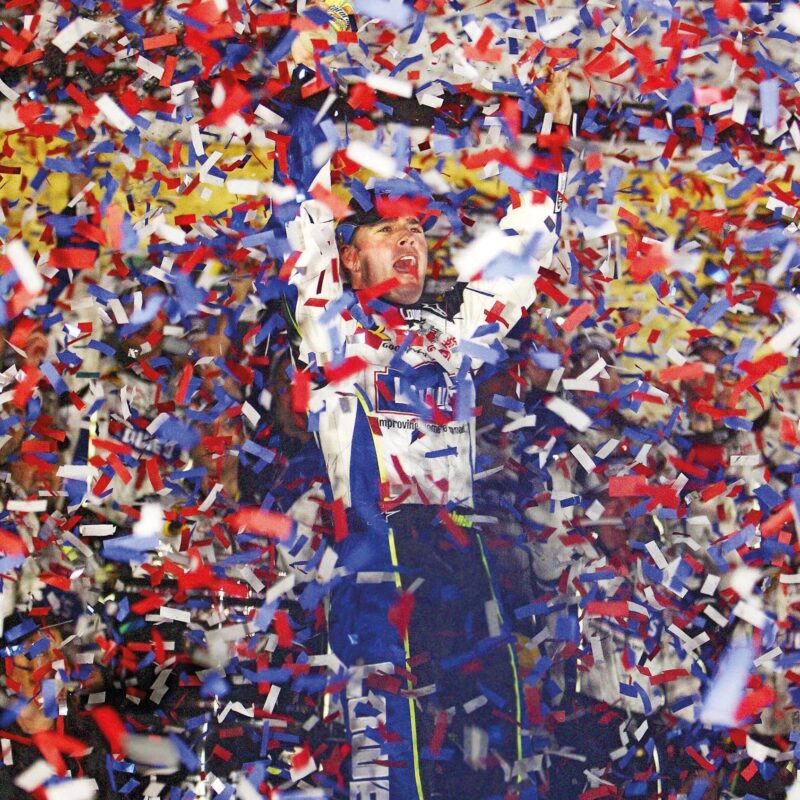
{"x":414,"y":391}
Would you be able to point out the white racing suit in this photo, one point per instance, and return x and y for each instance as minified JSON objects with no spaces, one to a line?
{"x":414,"y":611}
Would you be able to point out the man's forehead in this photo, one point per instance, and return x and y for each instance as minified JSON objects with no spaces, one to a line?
{"x":393,"y":221}
{"x":348,"y":228}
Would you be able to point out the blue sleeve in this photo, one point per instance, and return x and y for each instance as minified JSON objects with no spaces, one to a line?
{"x":299,"y":114}
{"x":305,"y":136}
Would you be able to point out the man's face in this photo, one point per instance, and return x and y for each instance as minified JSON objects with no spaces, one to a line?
{"x":390,"y":249}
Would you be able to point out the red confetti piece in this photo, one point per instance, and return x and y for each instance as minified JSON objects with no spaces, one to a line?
{"x":267,"y":523}
{"x":399,"y":615}
{"x":578,"y":315}
{"x":111,"y":726}
{"x":347,"y":369}
{"x":72,"y":258}
{"x":164,"y":40}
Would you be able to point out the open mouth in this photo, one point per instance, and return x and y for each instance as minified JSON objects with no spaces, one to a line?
{"x":406,"y":265}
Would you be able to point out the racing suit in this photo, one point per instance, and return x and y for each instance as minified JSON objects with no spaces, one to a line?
{"x":415,"y":609}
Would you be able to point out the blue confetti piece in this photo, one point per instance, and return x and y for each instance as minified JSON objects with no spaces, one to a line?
{"x":694,"y":312}
{"x":264,"y":615}
{"x":722,"y":156}
{"x":615,"y":176}
{"x":752,"y":177}
{"x":21,"y":630}
{"x":479,"y":352}
{"x":768,"y":498}
{"x":173,"y":431}
{"x":636,"y":690}
{"x":511,"y":403}
{"x":648,"y":134}
{"x":157,"y":152}
{"x":443,"y":453}
{"x":567,"y":629}
{"x":9,"y":715}
{"x":53,"y":377}
{"x":50,"y":698}
{"x":187,"y":756}
{"x":728,"y":685}
{"x":214,"y":685}
{"x":129,"y":548}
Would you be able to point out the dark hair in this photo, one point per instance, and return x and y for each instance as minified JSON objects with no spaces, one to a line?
{"x":346,"y":229}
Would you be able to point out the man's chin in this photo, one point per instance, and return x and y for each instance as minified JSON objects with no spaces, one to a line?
{"x":403,"y":295}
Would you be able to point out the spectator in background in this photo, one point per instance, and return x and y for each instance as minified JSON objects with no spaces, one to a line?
{"x":45,"y":720}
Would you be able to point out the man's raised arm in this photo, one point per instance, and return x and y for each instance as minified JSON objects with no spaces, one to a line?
{"x":501,"y":269}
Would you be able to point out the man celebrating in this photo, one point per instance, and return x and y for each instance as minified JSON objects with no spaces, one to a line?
{"x":434,"y":706}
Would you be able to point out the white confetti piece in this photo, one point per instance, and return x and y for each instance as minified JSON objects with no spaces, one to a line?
{"x":714,"y":615}
{"x":177,"y":614}
{"x":521,"y":422}
{"x":558,"y":27}
{"x":34,"y":776}
{"x":273,"y":120}
{"x":119,"y":312}
{"x":389,"y":85}
{"x":113,"y":113}
{"x":770,"y":655}
{"x":476,"y":746}
{"x":595,"y":511}
{"x":152,"y":750}
{"x":371,"y":159}
{"x":280,"y":588}
{"x":210,"y":498}
{"x":583,"y":458}
{"x":477,"y":702}
{"x":326,"y":566}
{"x":76,"y":472}
{"x":607,"y":449}
{"x":157,"y":422}
{"x":272,"y":698}
{"x":246,"y":791}
{"x":758,"y":751}
{"x":250,"y":414}
{"x":170,"y":233}
{"x":69,"y":36}
{"x":430,"y":100}
{"x":243,"y":186}
{"x":34,"y":506}
{"x":656,"y":555}
{"x":150,"y":522}
{"x":247,"y":574}
{"x":145,"y":65}
{"x":571,"y":414}
{"x":24,"y":266}
{"x":98,"y":530}
{"x":76,"y":789}
{"x":554,"y":379}
{"x":8,"y":92}
{"x":580,"y":385}
{"x":751,"y":614}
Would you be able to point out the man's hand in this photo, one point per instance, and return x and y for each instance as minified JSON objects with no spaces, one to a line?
{"x":303,"y":47}
{"x":555,"y":97}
